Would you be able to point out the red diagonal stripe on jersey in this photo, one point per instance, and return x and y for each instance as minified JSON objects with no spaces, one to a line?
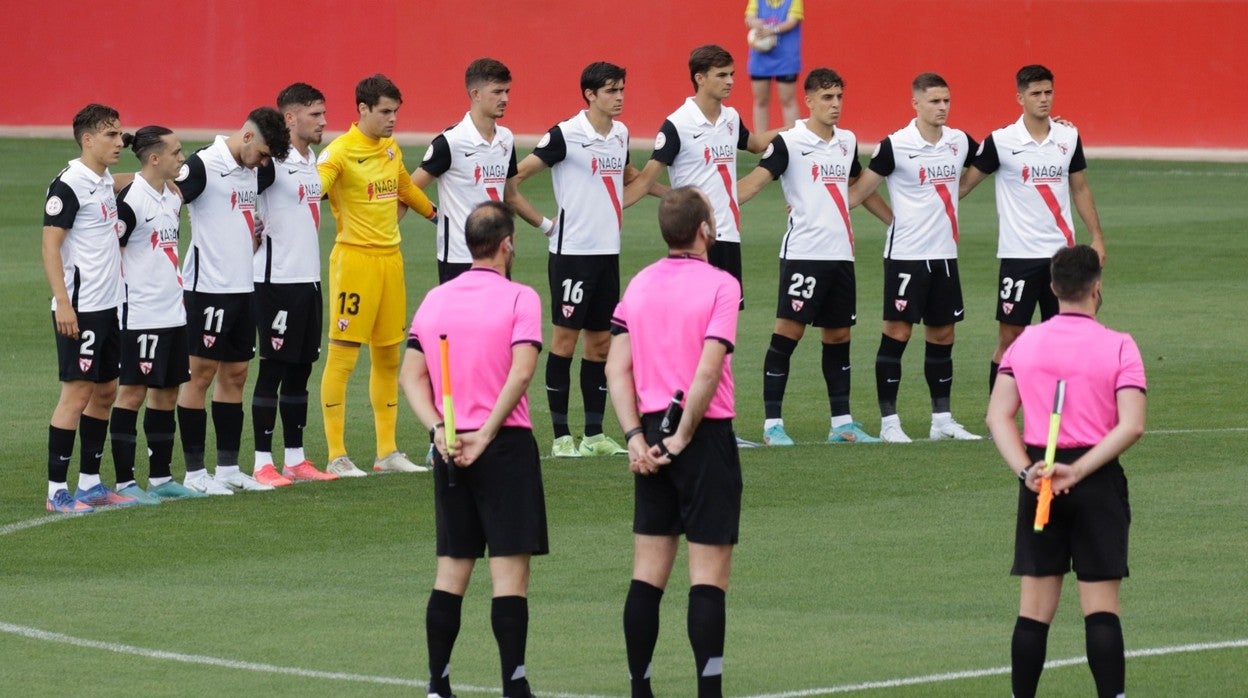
{"x":316,"y":214}
{"x":835,"y":191}
{"x":1055,"y":208}
{"x":725,"y":175}
{"x":615,"y":199}
{"x":251,"y":223}
{"x":942,"y":190}
{"x":493,"y":194}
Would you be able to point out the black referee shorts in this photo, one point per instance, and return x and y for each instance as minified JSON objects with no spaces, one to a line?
{"x":698,"y":493}
{"x":497,"y":501}
{"x":1087,"y":527}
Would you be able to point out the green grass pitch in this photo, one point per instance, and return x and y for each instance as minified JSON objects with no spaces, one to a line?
{"x":857,"y":564}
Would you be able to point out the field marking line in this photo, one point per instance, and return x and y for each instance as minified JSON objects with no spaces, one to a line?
{"x":996,"y":671}
{"x":60,"y":638}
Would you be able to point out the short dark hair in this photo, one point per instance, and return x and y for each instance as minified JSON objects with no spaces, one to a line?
{"x":703,"y":58}
{"x":926,"y":81}
{"x":371,"y":89}
{"x":681,"y":212}
{"x":148,"y":139}
{"x":1032,"y":73}
{"x":1074,"y":270}
{"x":489,"y":223}
{"x":298,"y":94}
{"x":485,"y":70}
{"x":597,"y":75}
{"x":272,"y":128}
{"x":92,"y":118}
{"x":822,"y":79}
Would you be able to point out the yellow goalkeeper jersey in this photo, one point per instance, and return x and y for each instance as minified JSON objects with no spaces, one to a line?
{"x":365,"y":179}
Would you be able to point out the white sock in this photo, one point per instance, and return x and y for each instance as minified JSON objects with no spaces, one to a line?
{"x":54,"y":486}
{"x":841,"y":420}
{"x":941,"y":418}
{"x":157,"y":481}
{"x":123,"y":485}
{"x":263,"y":458}
{"x":86,"y":482}
{"x":294,"y":456}
{"x":890,"y":420}
{"x":769,"y":423}
{"x":226,"y":470}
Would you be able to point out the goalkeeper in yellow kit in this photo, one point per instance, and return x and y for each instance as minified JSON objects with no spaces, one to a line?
{"x":363,"y":176}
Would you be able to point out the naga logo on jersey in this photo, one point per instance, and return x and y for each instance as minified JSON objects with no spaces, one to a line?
{"x":900,"y":304}
{"x":830,"y":173}
{"x":1007,"y":307}
{"x":938,"y":174}
{"x":719,"y":154}
{"x":383,"y":189}
{"x":84,"y":364}
{"x":209,"y":340}
{"x":797,"y":304}
{"x":1026,"y":173}
{"x":489,"y":173}
{"x":243,"y":200}
{"x":568,"y":310}
{"x":593,"y":166}
{"x":277,"y":343}
{"x":476,"y":174}
{"x":1043,"y":174}
{"x":606,"y":165}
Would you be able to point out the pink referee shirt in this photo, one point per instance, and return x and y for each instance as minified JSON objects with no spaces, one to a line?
{"x":483,"y":315}
{"x":1095,"y":361}
{"x":670,"y":309}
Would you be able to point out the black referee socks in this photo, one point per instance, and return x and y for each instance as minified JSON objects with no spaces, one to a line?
{"x":1106,"y":655}
{"x":1027,"y":650}
{"x":707,"y":623}
{"x":641,"y":632}
{"x":509,"y":616}
{"x":441,"y":628}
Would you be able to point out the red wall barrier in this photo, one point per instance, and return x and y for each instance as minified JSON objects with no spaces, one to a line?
{"x":1129,"y":72}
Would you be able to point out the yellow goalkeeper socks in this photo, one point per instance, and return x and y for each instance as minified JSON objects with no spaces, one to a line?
{"x":383,"y":392}
{"x":339,"y":363}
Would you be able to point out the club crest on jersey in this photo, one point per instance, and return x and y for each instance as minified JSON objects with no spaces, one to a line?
{"x":797,"y":304}
{"x":84,"y":364}
{"x":390,"y":153}
{"x":844,"y":150}
{"x":953,"y":148}
{"x":277,"y":343}
{"x":729,"y":125}
{"x":1063,"y":147}
{"x":900,"y":304}
{"x":1007,"y":307}
{"x":209,"y":340}
{"x":145,"y":367}
{"x":568,"y":310}
{"x":342,"y":324}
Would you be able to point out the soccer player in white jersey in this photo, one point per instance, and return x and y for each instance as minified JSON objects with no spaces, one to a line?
{"x":921,"y":163}
{"x":218,"y":184}
{"x":698,"y":144}
{"x":815,"y":161}
{"x":471,"y":162}
{"x":1040,"y":168}
{"x":588,"y":157}
{"x":83,"y":264}
{"x":154,"y":354}
{"x":287,"y":300}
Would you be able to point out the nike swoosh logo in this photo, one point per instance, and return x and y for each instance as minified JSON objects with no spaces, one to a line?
{"x":914,"y":156}
{"x":99,"y":454}
{"x":806,"y":152}
{"x":361,"y":160}
{"x":586,"y":145}
{"x":62,"y":458}
{"x":225,"y":174}
{"x":268,"y":432}
{"x":958,"y":313}
{"x":1015,"y":152}
{"x":334,"y":404}
{"x":469,"y":154}
{"x":93,"y":190}
{"x":290,"y":171}
{"x":844,"y":368}
{"x":149,"y":220}
{"x":603,"y":388}
{"x":696,"y":136}
{"x":946,"y":380}
{"x":774,"y":375}
{"x":854,"y":316}
{"x":392,"y":404}
{"x":892,"y":380}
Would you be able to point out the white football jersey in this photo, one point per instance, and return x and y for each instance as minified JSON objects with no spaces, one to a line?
{"x":703,"y":154}
{"x":587,"y":170}
{"x":149,"y":257}
{"x":82,"y":202}
{"x":815,"y":176}
{"x":1033,"y":188}
{"x":922,"y":182}
{"x":220,"y":196}
{"x":469,"y":170}
{"x":290,"y":206}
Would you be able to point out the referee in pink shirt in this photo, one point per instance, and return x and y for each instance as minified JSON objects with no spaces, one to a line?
{"x":494,"y":327}
{"x":674,"y":329}
{"x":1102,"y":416}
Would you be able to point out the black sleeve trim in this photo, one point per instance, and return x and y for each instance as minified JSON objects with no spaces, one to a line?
{"x":671,"y":144}
{"x":63,"y":218}
{"x":266,"y":175}
{"x":777,"y":161}
{"x":882,"y":163}
{"x":439,"y":160}
{"x":743,"y":140}
{"x":125,"y":214}
{"x":554,"y":150}
{"x":972,"y":146}
{"x":618,"y":327}
{"x":512,"y":169}
{"x":414,"y":343}
{"x":1077,"y":161}
{"x":196,"y":179}
{"x":533,"y":342}
{"x":988,"y":160}
{"x":724,"y":342}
